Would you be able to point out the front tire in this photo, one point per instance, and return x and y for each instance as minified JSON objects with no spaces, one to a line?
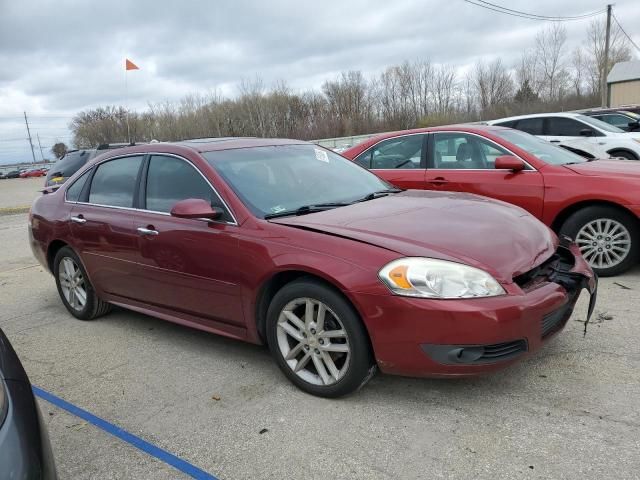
{"x":75,"y":289}
{"x":607,"y":237}
{"x":318,"y":340}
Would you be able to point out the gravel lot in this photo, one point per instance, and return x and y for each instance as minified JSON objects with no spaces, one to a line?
{"x":571,"y":411}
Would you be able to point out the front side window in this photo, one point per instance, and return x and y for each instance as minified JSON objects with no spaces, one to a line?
{"x":565,"y":127}
{"x":616,"y":120}
{"x":74,"y":191}
{"x":463,"y":151}
{"x":170,"y":180}
{"x":114,"y":182}
{"x":276,"y":179}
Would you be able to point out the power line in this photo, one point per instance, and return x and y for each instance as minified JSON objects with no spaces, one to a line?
{"x":625,"y":33}
{"x":531,"y":16}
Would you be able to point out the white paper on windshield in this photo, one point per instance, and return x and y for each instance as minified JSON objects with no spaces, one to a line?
{"x":322,"y":155}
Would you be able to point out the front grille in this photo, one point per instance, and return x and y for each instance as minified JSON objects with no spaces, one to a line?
{"x":562,"y":260}
{"x":554,"y":321}
{"x":503,"y":351}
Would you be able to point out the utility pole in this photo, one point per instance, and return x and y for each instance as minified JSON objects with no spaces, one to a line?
{"x":40,"y":145}
{"x":33,"y":154}
{"x":605,"y":71}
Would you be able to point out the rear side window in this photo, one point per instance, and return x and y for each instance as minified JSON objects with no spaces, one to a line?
{"x":534,"y":126}
{"x":171,"y":179}
{"x":400,"y":152}
{"x":74,"y":191}
{"x":114,"y":182}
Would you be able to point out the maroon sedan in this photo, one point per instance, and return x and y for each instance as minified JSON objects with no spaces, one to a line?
{"x":282,"y":242}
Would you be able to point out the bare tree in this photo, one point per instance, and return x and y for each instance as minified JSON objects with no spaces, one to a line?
{"x":59,"y":149}
{"x":550,"y":60}
{"x":493,"y":84}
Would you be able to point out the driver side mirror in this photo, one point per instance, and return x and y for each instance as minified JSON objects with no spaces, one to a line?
{"x":586,"y":132}
{"x":634,"y":126}
{"x":195,"y":208}
{"x":509,"y":162}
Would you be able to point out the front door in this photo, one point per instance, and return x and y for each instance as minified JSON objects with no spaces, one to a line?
{"x":186,"y":265}
{"x":463,"y":162}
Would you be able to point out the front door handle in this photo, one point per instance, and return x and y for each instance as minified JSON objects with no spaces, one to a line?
{"x":555,"y":140}
{"x":79,"y":219}
{"x":438,"y":181}
{"x":147,"y":231}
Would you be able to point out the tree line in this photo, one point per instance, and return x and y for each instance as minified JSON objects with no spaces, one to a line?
{"x":420,"y":93}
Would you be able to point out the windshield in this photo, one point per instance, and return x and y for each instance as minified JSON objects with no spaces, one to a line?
{"x":277,"y":179}
{"x":542,"y":149}
{"x":69,"y":164}
{"x":599,"y":124}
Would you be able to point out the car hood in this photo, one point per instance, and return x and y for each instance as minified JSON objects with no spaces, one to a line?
{"x":602,"y":168}
{"x":497,"y":237}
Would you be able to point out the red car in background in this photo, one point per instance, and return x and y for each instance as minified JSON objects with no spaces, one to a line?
{"x":36,"y":172}
{"x":594,"y":202}
{"x":286,"y":243}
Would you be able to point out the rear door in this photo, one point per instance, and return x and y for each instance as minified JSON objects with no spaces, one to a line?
{"x":464,"y":162}
{"x":399,"y":160}
{"x":102,"y":226}
{"x":186,"y":265}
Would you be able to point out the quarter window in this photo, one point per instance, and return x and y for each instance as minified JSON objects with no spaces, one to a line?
{"x":462,"y":151}
{"x":400,"y":152}
{"x":114,"y":182}
{"x":170,"y":180}
{"x":74,"y":191}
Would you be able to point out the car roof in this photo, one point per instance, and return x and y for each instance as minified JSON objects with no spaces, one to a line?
{"x":229,"y":143}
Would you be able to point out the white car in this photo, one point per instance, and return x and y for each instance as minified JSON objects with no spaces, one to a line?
{"x":562,"y":127}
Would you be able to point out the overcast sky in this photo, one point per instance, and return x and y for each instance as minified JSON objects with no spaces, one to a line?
{"x":59,"y":57}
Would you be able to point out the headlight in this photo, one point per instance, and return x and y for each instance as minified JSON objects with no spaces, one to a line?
{"x":431,"y":278}
{"x":636,"y":140}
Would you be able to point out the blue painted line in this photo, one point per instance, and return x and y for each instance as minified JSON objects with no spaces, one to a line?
{"x":157,"y":452}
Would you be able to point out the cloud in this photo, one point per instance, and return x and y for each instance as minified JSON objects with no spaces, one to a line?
{"x":61,"y":57}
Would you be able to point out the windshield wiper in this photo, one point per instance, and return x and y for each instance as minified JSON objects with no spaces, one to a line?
{"x":378,"y":194}
{"x":303,"y":210}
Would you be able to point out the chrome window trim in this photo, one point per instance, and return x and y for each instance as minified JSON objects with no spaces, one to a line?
{"x":95,"y":165}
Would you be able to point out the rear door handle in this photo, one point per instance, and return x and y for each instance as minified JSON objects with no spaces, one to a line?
{"x":147,"y":231}
{"x":438,"y":181}
{"x":79,"y":219}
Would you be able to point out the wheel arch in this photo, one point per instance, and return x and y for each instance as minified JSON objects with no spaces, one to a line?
{"x":52,"y":249}
{"x":278,"y":280}
{"x":622,"y":150}
{"x":573,"y":208}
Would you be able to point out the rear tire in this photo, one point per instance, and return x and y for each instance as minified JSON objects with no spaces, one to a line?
{"x":75,"y":289}
{"x":608,"y":238}
{"x":318,"y":340}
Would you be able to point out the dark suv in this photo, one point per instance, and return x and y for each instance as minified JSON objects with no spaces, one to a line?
{"x":74,"y":160}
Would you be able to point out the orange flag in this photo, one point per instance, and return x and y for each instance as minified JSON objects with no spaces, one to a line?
{"x":129,"y":65}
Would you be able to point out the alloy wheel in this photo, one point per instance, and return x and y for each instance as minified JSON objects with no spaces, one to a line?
{"x":604,"y":242}
{"x":72,"y":284}
{"x":313,"y":341}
